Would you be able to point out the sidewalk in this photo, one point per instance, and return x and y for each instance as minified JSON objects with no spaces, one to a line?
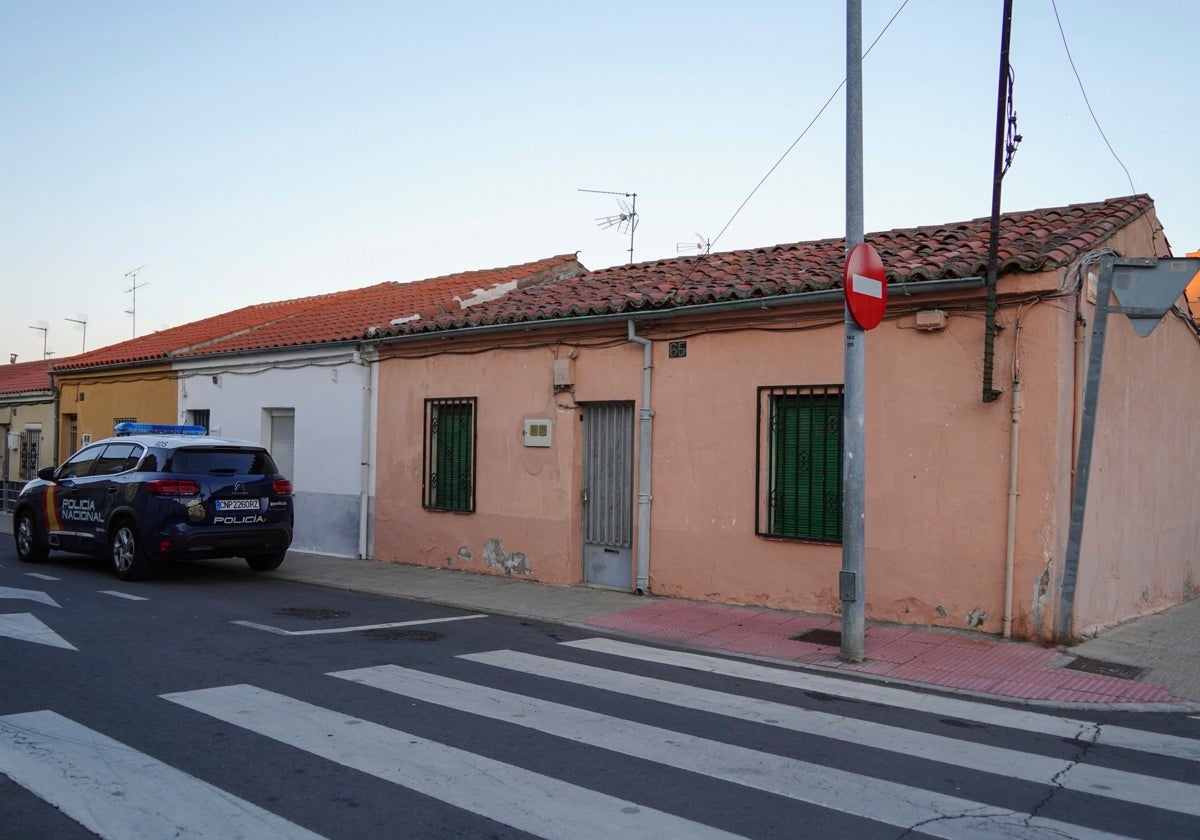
{"x":1166,"y":647}
{"x":1150,"y":663}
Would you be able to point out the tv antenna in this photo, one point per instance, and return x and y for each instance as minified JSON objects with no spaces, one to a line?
{"x":135,"y":285}
{"x":626,"y":221}
{"x":82,"y":322}
{"x":45,"y":330}
{"x":702,"y":244}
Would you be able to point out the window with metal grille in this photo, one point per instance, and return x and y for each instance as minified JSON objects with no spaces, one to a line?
{"x":199,"y":417}
{"x":31,"y":453}
{"x":450,"y":454}
{"x":800,"y":450}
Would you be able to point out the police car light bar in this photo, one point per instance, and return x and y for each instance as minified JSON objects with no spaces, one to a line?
{"x":123,"y":429}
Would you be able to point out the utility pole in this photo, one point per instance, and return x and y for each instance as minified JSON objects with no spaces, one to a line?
{"x":135,"y":285}
{"x":851,"y":582}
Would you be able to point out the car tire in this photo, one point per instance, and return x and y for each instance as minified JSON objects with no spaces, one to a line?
{"x":125,"y":552}
{"x":265,"y":562}
{"x":30,"y":547}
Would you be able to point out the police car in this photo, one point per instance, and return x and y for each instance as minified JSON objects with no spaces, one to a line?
{"x":158,"y":492}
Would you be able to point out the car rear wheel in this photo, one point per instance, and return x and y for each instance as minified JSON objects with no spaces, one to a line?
{"x":129,"y":561}
{"x":265,"y":562}
{"x":30,"y":547}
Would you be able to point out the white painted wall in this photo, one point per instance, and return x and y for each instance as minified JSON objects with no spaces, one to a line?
{"x":329,"y":392}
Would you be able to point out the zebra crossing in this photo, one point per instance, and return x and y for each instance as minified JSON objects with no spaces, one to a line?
{"x":115,"y":791}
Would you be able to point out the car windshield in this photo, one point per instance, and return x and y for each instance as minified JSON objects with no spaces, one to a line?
{"x":221,"y":461}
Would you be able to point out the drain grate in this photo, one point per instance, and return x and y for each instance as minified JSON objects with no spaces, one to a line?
{"x":1105,"y":669}
{"x":315,"y":614}
{"x":402,"y":634}
{"x":829,"y":638}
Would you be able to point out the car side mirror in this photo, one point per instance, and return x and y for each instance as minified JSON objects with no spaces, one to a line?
{"x":46,"y":473}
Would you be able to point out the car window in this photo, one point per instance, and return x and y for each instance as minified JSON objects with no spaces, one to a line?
{"x":80,"y":464}
{"x":117,"y":458}
{"x":221,"y":461}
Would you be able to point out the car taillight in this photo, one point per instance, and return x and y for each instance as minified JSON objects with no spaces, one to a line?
{"x":282,"y":487}
{"x":173,"y":487}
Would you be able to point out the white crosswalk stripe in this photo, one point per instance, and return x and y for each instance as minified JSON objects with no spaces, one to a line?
{"x":1065,"y":773}
{"x":938,"y":815}
{"x":507,"y":794}
{"x":119,"y":793}
{"x":1027,"y":721}
{"x":974,"y":787}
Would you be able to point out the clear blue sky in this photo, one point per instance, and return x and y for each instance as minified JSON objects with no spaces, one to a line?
{"x":253,"y":151}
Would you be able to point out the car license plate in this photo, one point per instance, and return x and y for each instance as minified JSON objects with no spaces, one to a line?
{"x":237,"y":504}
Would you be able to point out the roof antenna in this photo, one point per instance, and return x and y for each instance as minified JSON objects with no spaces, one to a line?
{"x":625,"y":221}
{"x":45,"y":330}
{"x":82,"y":322}
{"x":702,"y":244}
{"x":133,"y":289}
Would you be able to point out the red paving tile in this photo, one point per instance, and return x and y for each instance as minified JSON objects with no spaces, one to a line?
{"x":938,"y":659}
{"x":900,"y":652}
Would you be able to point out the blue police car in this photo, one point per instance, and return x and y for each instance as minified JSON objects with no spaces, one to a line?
{"x":158,"y":492}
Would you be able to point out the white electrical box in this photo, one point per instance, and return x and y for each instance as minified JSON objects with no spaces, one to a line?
{"x":564,"y":373}
{"x":537,"y":432}
{"x":14,"y":440}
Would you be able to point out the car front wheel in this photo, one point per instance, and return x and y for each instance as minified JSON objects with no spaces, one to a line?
{"x":265,"y":562}
{"x":129,"y":561}
{"x":30,"y":547}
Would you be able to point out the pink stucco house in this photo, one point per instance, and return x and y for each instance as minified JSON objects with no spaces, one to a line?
{"x":674,"y":427}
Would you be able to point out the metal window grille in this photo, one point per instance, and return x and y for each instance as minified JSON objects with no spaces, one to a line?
{"x":801,"y":444}
{"x":450,"y":454}
{"x":199,"y":417}
{"x":31,"y":453}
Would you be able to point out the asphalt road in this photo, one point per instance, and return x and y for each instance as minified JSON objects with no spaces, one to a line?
{"x":213,"y":702}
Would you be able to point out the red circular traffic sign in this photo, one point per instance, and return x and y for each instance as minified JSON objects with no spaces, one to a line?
{"x":865,"y":285}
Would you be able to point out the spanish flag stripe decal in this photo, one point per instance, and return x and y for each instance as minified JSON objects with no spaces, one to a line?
{"x":53,"y":523}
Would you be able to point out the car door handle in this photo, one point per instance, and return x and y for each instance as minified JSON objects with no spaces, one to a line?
{"x":112,"y":491}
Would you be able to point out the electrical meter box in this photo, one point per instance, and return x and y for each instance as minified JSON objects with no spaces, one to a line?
{"x":537,"y":432}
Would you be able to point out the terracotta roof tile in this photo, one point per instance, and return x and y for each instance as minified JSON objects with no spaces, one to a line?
{"x":1031,"y":241}
{"x":333,"y":317}
{"x":25,"y":377}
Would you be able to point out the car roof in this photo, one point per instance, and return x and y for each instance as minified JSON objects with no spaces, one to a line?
{"x":172,"y":441}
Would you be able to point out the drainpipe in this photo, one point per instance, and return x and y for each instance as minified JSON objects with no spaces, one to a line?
{"x":1010,"y":539}
{"x":364,"y":493}
{"x":645,"y":459}
{"x":1080,"y":376}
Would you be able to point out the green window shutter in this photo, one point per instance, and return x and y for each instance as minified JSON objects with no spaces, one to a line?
{"x":453,"y":458}
{"x":806,"y":459}
{"x":450,"y":454}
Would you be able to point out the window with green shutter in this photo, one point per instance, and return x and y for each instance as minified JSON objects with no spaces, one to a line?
{"x":800,"y":434}
{"x":450,"y":454}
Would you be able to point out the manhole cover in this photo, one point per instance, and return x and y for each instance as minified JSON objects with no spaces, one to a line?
{"x":1105,"y":669}
{"x":829,"y":638}
{"x":402,"y":634}
{"x":317,"y":614}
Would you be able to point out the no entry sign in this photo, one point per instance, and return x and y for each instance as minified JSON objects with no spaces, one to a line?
{"x":865,"y":284}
